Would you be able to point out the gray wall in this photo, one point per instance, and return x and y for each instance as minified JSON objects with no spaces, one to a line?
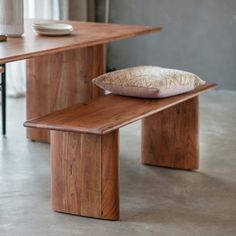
{"x":198,"y":36}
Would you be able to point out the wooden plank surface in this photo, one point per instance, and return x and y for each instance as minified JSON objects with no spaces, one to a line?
{"x":85,"y":34}
{"x":170,"y":137}
{"x":110,"y":203}
{"x":108,"y":113}
{"x":85,"y":174}
{"x":64,"y":81}
{"x":76,"y":173}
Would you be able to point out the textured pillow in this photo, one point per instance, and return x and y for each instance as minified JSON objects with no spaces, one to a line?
{"x":148,"y":82}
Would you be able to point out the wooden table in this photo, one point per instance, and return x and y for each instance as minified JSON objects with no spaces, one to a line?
{"x":60,"y":69}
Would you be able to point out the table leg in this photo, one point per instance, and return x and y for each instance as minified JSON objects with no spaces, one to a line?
{"x":59,"y":80}
{"x":170,"y":137}
{"x":4,"y":103}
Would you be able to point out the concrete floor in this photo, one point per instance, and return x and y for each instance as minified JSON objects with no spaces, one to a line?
{"x":154,"y":201}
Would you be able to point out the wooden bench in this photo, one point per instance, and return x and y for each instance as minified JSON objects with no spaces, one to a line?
{"x":85,"y":146}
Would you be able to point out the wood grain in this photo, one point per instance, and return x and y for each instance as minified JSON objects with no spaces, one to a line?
{"x":65,"y":80}
{"x":108,"y":113}
{"x":85,"y":174}
{"x":85,"y":34}
{"x":110,"y":176}
{"x":170,"y":137}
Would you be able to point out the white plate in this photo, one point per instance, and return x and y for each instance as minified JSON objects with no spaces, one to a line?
{"x":51,"y":32}
{"x":52,"y":29}
{"x":52,"y":26}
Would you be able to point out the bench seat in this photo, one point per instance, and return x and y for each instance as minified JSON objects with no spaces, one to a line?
{"x":108,"y":113}
{"x":85,"y":146}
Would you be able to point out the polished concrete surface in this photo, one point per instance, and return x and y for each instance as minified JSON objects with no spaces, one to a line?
{"x":154,"y":201}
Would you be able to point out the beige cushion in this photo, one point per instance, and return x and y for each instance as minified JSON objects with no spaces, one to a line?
{"x":148,"y":81}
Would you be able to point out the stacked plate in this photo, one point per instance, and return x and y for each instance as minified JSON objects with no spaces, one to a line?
{"x":52,"y":29}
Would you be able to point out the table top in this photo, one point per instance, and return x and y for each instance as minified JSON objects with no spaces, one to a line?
{"x":85,"y":34}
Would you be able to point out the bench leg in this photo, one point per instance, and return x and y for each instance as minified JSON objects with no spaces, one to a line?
{"x":170,"y":137}
{"x":85,"y":174}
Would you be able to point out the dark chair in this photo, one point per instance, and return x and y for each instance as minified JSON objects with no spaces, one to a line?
{"x":3,"y":90}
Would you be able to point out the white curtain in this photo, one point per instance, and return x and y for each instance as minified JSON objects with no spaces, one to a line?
{"x":43,"y":9}
{"x":46,"y":9}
